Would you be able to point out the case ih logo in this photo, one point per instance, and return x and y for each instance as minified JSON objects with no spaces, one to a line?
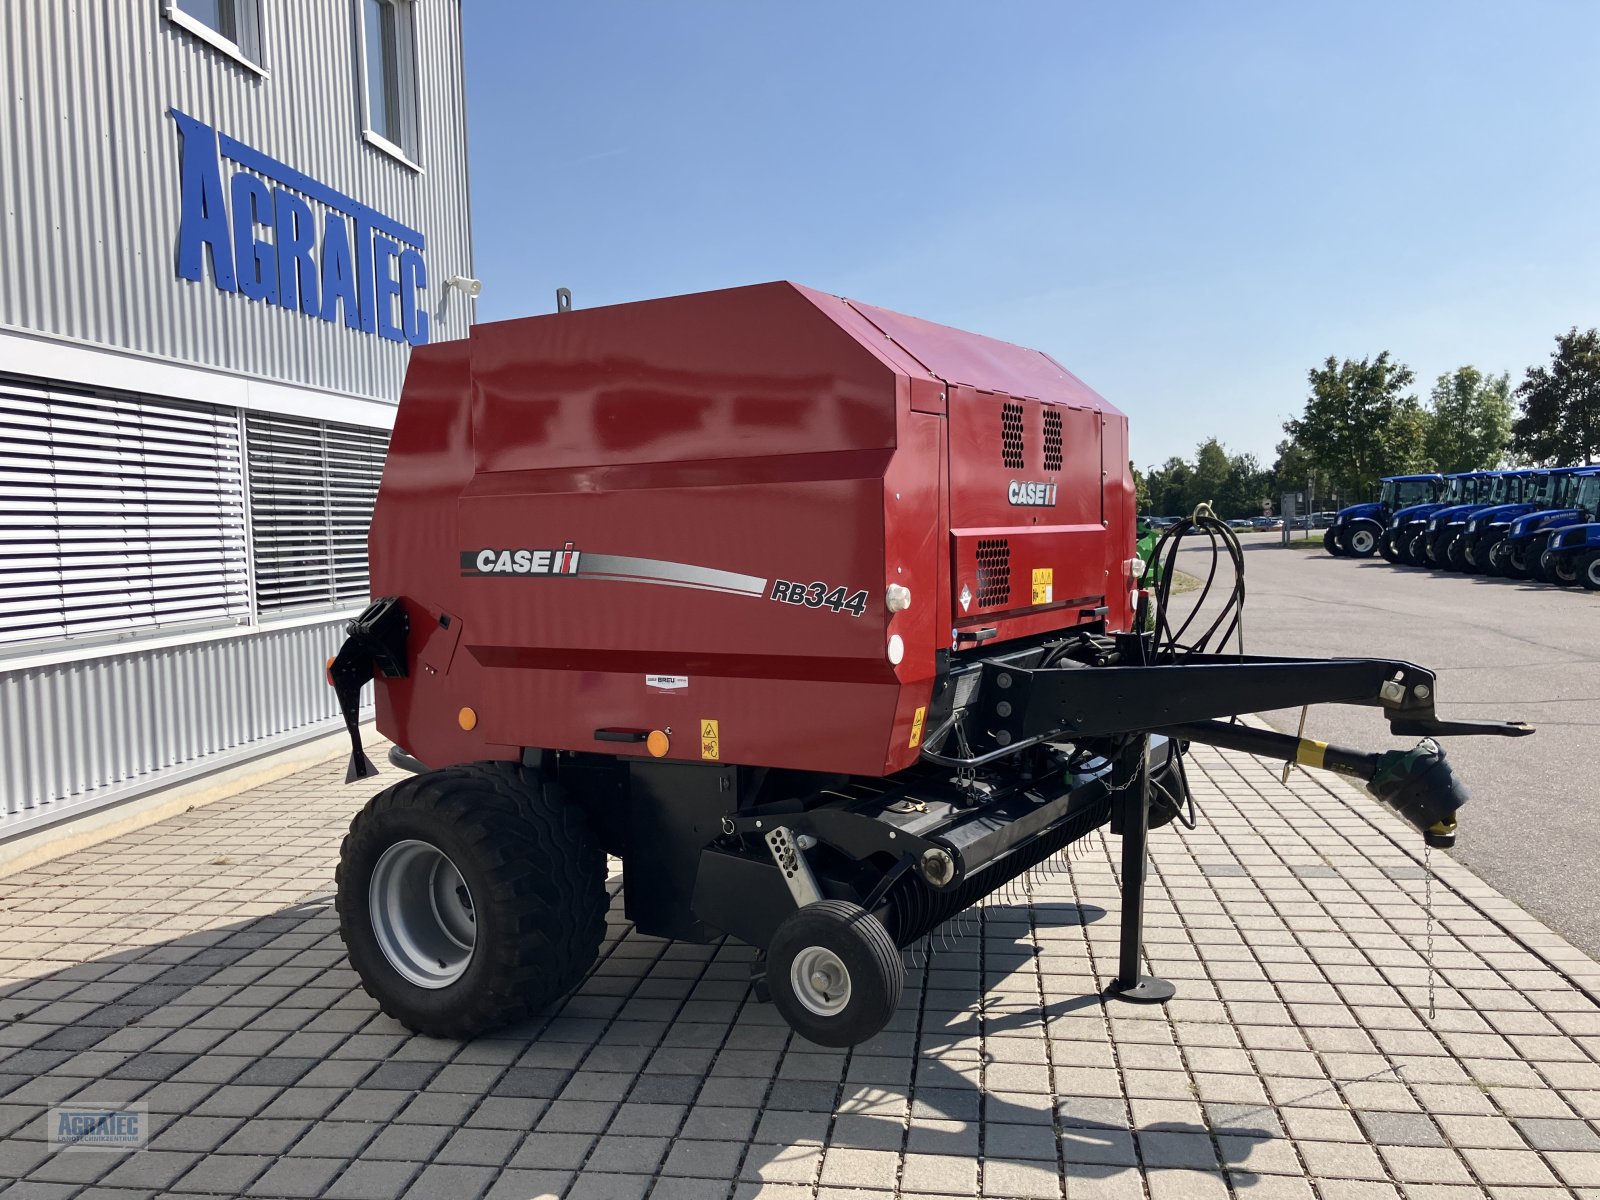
{"x":491,"y":561}
{"x":1025,"y":494}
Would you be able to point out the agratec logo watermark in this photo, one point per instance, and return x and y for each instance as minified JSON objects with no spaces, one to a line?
{"x":98,"y":1127}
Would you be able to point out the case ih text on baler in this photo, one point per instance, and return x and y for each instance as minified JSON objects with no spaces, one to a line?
{"x":821,"y":618}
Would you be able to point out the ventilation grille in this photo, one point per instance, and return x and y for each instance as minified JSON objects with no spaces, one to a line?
{"x":994,"y":572}
{"x":1011,"y":435}
{"x":1052,"y":440}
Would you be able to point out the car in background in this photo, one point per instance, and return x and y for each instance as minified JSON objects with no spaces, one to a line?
{"x":1322,"y":520}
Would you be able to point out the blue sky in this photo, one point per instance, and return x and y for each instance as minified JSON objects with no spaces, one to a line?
{"x":1188,"y":205}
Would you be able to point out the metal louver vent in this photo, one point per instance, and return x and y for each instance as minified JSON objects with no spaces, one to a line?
{"x":1052,"y":440}
{"x":994,"y":572}
{"x":312,"y":488}
{"x":118,"y":513}
{"x":1011,"y":435}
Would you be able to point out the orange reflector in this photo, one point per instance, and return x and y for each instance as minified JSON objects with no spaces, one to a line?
{"x":657,"y":744}
{"x":328,"y":672}
{"x":467,"y":719}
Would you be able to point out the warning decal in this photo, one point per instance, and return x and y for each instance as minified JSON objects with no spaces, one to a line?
{"x":1043,"y":584}
{"x":708,"y":740}
{"x":916,"y":725}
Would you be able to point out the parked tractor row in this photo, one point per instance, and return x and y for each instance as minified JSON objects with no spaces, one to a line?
{"x":1541,"y":524}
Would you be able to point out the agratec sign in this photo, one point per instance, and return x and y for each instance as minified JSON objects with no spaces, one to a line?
{"x":266,"y":242}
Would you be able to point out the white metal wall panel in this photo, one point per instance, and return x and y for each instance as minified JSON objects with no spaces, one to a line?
{"x":75,"y":736}
{"x":89,"y":179}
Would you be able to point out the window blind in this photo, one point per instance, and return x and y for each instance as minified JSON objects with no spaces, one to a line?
{"x":118,"y":513}
{"x":312,"y":488}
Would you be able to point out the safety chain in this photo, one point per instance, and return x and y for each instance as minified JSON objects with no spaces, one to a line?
{"x":1427,"y":903}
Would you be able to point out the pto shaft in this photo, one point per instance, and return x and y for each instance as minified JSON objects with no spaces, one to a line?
{"x":1417,"y":783}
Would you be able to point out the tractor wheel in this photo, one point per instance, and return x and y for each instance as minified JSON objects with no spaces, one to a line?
{"x":470,"y":898}
{"x":1536,"y":563}
{"x":1477,"y":554}
{"x":1589,"y":570}
{"x":1362,"y":540}
{"x":1514,"y":560}
{"x":1499,"y":558}
{"x":1558,"y":569}
{"x":1330,"y":543}
{"x":1387,"y":547}
{"x":834,"y":973}
{"x":1416,"y":552}
{"x":1455,"y":554}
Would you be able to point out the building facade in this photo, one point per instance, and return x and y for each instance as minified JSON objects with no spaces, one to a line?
{"x":223,"y":225}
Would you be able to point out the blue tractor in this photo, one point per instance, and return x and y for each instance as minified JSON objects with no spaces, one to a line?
{"x":1525,"y":552}
{"x":1574,"y":550}
{"x":1446,"y":544}
{"x":1408,"y":532}
{"x":1489,"y":526}
{"x":1359,"y":529}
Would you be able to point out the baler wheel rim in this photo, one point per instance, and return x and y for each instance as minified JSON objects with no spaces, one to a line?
{"x":820,"y":981}
{"x":422,"y":913}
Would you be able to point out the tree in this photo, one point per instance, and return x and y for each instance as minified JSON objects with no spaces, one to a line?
{"x":1560,"y":419}
{"x":1210,"y":475}
{"x":1141,"y":490}
{"x":1359,"y":424}
{"x":1294,"y":471}
{"x":1169,"y":487}
{"x":1470,"y":425}
{"x":1234,"y":485}
{"x":1246,"y":489}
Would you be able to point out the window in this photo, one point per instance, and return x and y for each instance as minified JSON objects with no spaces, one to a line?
{"x":312,"y":488}
{"x":232,"y":26}
{"x":388,"y":62}
{"x":118,"y":514}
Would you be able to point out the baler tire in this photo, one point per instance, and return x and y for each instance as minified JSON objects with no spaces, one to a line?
{"x":535,"y":877}
{"x":1330,"y":543}
{"x":1589,"y":570}
{"x":874,"y":973}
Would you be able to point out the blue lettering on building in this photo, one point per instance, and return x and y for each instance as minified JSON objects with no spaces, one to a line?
{"x":264,"y":241}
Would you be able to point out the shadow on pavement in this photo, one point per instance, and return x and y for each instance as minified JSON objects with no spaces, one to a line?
{"x":267,"y":1071}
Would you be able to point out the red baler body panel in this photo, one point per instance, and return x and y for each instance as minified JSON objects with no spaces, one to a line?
{"x":595,"y":517}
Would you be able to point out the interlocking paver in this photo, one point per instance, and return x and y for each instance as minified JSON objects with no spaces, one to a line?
{"x":1298,"y":1051}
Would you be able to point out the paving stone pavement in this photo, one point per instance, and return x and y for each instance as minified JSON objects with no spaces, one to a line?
{"x":195,"y":967}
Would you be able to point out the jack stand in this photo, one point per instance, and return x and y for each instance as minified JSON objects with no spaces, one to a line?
{"x":1134,"y":798}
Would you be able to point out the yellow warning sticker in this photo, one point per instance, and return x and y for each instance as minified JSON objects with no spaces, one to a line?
{"x":916,"y":725}
{"x":1043,"y":584}
{"x":708,"y":740}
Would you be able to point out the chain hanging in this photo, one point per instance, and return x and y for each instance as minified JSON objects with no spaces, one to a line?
{"x":1427,"y":904}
